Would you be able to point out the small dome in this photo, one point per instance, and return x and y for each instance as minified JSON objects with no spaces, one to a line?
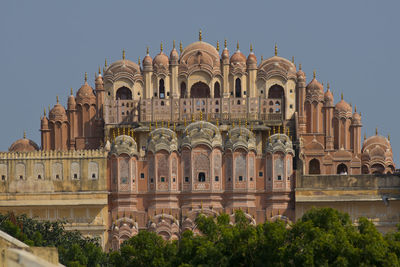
{"x":85,"y":93}
{"x":161,"y":59}
{"x":238,"y":57}
{"x":57,"y":113}
{"x":71,"y":102}
{"x":174,"y":57}
{"x":44,"y":122}
{"x":225,"y":55}
{"x":147,"y":60}
{"x":23,"y":145}
{"x":343,"y":106}
{"x":356,"y":119}
{"x":251,"y":59}
{"x":328,"y":98}
{"x":377,"y":140}
{"x":315,"y":87}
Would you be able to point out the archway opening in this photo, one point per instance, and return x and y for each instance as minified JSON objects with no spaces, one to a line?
{"x":161,"y":89}
{"x":364,"y":169}
{"x":238,"y":88}
{"x":183,"y":90}
{"x":313,"y":167}
{"x":200,"y":90}
{"x":202,"y":177}
{"x":124,"y":93}
{"x":377,"y":168}
{"x":276,"y":95}
{"x":217,"y":93}
{"x":342,"y":169}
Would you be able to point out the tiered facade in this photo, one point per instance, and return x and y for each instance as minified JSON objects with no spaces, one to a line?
{"x":198,"y":132}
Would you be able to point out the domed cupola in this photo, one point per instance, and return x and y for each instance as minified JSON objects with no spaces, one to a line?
{"x":202,"y":133}
{"x":85,"y":93}
{"x":240,"y":137}
{"x":121,"y":69}
{"x":279,"y":143}
{"x":174,"y":57}
{"x":343,"y":109}
{"x":44,"y":122}
{"x":301,"y":76}
{"x":23,"y":145}
{"x":251,"y":59}
{"x":58,"y":113}
{"x":238,"y":57}
{"x":147,"y":62}
{"x":161,"y":61}
{"x":124,"y":144}
{"x":315,"y":89}
{"x":328,"y":97}
{"x":71,"y":101}
{"x":162,"y":139}
{"x":356,"y":119}
{"x":225,"y":54}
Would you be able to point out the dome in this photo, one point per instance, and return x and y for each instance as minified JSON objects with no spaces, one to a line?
{"x":315,"y":87}
{"x":162,"y":139}
{"x":238,"y":57}
{"x":71,"y":101}
{"x":343,"y":106}
{"x":174,"y":57}
{"x":356,"y":119}
{"x":202,"y":132}
{"x":281,"y":143}
{"x":85,"y":93}
{"x":123,"y":65}
{"x":161,"y":59}
{"x":57,"y":113}
{"x":328,"y":98}
{"x":251,"y":59}
{"x":23,"y":145}
{"x":124,"y":144}
{"x":376,"y":140}
{"x":147,"y":60}
{"x":200,"y":46}
{"x":240,"y":137}
{"x":225,"y":55}
{"x":277,"y":66}
{"x":44,"y":122}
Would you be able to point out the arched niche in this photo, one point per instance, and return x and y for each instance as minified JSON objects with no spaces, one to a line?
{"x":123,"y":93}
{"x":161,"y":89}
{"x":377,"y":168}
{"x":314,"y":167}
{"x":276,"y":94}
{"x":217,"y":90}
{"x":342,"y":169}
{"x":238,"y":87}
{"x":183,"y":90}
{"x":200,"y":90}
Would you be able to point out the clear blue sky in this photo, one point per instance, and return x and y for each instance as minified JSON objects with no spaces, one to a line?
{"x":46,"y":46}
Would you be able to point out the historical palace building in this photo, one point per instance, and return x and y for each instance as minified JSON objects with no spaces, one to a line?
{"x":154,"y":144}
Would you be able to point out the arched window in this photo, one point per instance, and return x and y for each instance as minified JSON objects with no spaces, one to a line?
{"x":342,"y":169}
{"x":217,"y":92}
{"x":161,"y":89}
{"x":202,"y":177}
{"x":183,"y":90}
{"x":377,"y":168}
{"x":238,"y":88}
{"x":124,"y":93}
{"x":313,"y":167}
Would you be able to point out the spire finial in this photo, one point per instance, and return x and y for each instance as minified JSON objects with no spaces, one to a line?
{"x":327,"y":85}
{"x":218,"y":46}
{"x":161,"y":47}
{"x":293,"y":59}
{"x":57,"y":99}
{"x":200,"y":37}
{"x":85,"y":76}
{"x":376,"y":131}
{"x":262,"y":58}
{"x":44,"y":112}
{"x":123,"y":53}
{"x":355,"y":108}
{"x":314,"y":74}
{"x":365,"y":136}
{"x":147,"y":50}
{"x":72,"y":92}
{"x":99,"y":70}
{"x":138,"y":61}
{"x":276,"y":49}
{"x":105,"y":63}
{"x":24,"y":135}
{"x":180,"y":47}
{"x":173,"y":44}
{"x":388,"y":137}
{"x":341,"y":96}
{"x":299,"y":66}
{"x":225,"y":44}
{"x":251,"y":48}
{"x":237,"y":46}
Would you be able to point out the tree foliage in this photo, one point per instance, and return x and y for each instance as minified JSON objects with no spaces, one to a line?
{"x":322,"y":237}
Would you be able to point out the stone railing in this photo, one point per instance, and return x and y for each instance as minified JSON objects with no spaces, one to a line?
{"x":179,"y":110}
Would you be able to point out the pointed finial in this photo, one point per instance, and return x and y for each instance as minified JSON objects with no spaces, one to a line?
{"x":99,"y":70}
{"x":388,"y":137}
{"x":44,"y":112}
{"x":376,"y":131}
{"x":355,"y":108}
{"x":365,"y":136}
{"x":173,"y":44}
{"x":225,"y":44}
{"x":251,"y":48}
{"x":276,"y":50}
{"x":123,"y":53}
{"x":200,"y":37}
{"x":85,"y":76}
{"x":293,"y":59}
{"x":218,"y":46}
{"x":138,"y":61}
{"x":147,"y":50}
{"x":24,"y":135}
{"x":57,"y":99}
{"x":237,"y":46}
{"x":299,"y":66}
{"x":180,"y":47}
{"x":72,"y":92}
{"x":105,"y":63}
{"x":327,"y":85}
{"x":262,"y":58}
{"x":161,"y":47}
{"x":314,"y":74}
{"x":341,"y":96}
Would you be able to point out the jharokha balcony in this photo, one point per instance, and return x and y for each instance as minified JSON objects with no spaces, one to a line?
{"x":186,"y":109}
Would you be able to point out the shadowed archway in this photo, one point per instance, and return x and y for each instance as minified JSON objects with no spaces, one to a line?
{"x":200,"y":90}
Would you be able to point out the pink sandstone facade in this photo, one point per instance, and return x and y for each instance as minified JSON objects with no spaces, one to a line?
{"x":204,"y":132}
